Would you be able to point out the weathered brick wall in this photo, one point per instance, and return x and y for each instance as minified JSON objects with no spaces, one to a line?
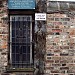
{"x":3,"y":36}
{"x":60,"y":45}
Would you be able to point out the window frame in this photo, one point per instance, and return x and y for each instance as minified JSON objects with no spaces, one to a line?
{"x":31,"y":60}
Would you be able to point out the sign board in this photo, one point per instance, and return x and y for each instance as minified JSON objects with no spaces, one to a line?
{"x":40,"y":16}
{"x":21,"y":4}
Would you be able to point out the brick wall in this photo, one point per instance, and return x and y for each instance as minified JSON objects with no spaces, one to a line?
{"x":3,"y":36}
{"x":4,"y":41}
{"x":60,"y":45}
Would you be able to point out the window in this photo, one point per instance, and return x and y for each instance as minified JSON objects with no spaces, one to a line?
{"x":20,"y":41}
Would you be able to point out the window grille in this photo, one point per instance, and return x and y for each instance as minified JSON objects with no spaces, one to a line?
{"x":20,"y":41}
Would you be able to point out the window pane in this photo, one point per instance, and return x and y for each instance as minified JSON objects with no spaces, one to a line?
{"x":28,"y":57}
{"x":13,"y":58}
{"x":21,"y":49}
{"x":17,"y":58}
{"x":17,"y":49}
{"x":24,"y":24}
{"x":13,"y":49}
{"x":28,"y":40}
{"x":17,"y":25}
{"x":24,"y":58}
{"x":13,"y":40}
{"x":28,"y":49}
{"x":17,"y":33}
{"x":13,"y":33}
{"x":24,"y":40}
{"x":24,"y":49}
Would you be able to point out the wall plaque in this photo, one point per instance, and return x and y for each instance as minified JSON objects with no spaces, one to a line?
{"x":40,"y":16}
{"x":21,"y":4}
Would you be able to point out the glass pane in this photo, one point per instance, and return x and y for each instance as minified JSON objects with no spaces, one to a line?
{"x":20,"y":40}
{"x":24,"y":40}
{"x":17,"y":33}
{"x":24,"y":49}
{"x":17,"y":58}
{"x":51,"y":6}
{"x":13,"y":33}
{"x":17,"y":25}
{"x":28,"y":33}
{"x":28,"y":25}
{"x":21,"y":24}
{"x":13,"y":58}
{"x":13,"y":65}
{"x":24,"y":33}
{"x":28,"y":57}
{"x":28,"y":18}
{"x":17,"y":49}
{"x":24,"y":58}
{"x":20,"y":33}
{"x":21,"y":49}
{"x":24,"y":25}
{"x":17,"y":40}
{"x":13,"y":49}
{"x":28,"y":49}
{"x":28,"y":40}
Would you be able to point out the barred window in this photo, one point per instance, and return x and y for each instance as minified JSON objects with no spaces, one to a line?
{"x":20,"y":41}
